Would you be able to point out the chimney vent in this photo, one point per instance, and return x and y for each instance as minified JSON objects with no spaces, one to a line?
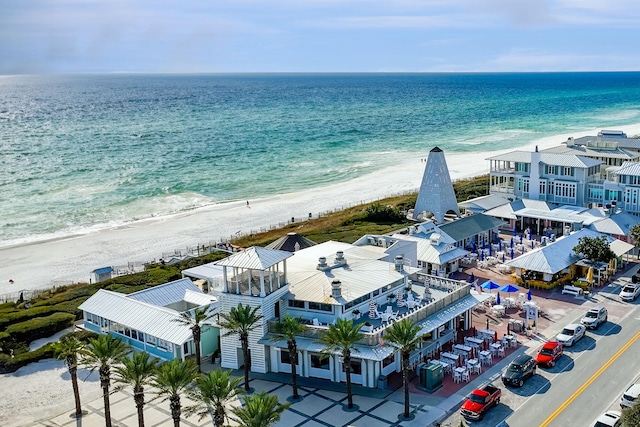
{"x":322,"y":263}
{"x":336,"y":289}
{"x":399,"y":263}
{"x":340,"y":259}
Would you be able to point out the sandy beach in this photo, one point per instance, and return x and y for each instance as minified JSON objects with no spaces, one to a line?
{"x":71,"y":259}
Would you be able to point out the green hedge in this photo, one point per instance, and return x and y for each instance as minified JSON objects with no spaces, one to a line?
{"x":65,"y":295}
{"x":7,"y":319}
{"x":11,"y":364}
{"x":40,"y":327}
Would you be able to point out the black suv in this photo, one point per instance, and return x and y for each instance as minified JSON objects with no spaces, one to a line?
{"x":522,"y":367}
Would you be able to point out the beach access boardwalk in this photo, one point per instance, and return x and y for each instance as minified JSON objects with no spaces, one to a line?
{"x":324,"y":403}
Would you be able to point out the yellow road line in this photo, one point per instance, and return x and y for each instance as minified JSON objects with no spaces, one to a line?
{"x":590,"y":380}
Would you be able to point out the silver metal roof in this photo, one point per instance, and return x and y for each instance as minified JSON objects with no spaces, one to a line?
{"x":629,"y":168}
{"x":569,"y":160}
{"x":149,"y":319}
{"x":483,"y":203}
{"x":582,"y":150}
{"x":255,"y":258}
{"x":208,"y":271}
{"x":508,"y":210}
{"x":556,"y":256}
{"x":168,"y":293}
{"x":619,"y":224}
{"x":434,"y":254}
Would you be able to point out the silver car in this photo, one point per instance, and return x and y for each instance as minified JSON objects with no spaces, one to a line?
{"x":630,"y":292}
{"x":571,"y":334}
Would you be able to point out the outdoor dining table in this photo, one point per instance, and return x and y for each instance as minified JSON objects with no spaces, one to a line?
{"x":495,"y":347}
{"x":473,"y":342}
{"x":511,"y":340}
{"x":450,"y":356}
{"x":487,"y":334}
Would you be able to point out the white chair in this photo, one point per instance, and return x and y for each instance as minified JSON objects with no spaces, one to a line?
{"x":465,"y":376}
{"x":457,"y":376}
{"x":501,"y":352}
{"x":316,"y":322}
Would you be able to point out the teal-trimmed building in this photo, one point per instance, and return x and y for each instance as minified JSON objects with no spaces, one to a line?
{"x":146,"y":319}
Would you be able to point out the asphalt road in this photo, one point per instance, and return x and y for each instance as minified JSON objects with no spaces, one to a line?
{"x":586,"y":381}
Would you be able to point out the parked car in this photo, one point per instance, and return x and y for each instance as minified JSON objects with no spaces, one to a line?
{"x":480,"y":401}
{"x":595,"y":317}
{"x":630,"y":292}
{"x":609,"y":419}
{"x":549,"y":354}
{"x":571,"y":334}
{"x":630,"y":396}
{"x":519,"y":370}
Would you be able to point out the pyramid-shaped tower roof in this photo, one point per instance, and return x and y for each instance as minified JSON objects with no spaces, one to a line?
{"x":436,"y":193}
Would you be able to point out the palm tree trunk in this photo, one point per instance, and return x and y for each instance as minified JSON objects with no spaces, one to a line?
{"x":176,"y":409}
{"x":405,"y":382}
{"x":244,"y":340}
{"x":138,"y":397}
{"x":347,"y":371}
{"x":196,"y":339}
{"x":73,"y":371}
{"x":104,"y":383}
{"x":293,"y":356}
{"x":218,"y":416}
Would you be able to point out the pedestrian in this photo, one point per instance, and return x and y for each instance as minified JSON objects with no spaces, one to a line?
{"x":247,"y":203}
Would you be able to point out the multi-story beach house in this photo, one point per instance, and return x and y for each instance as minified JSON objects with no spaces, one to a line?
{"x":600,"y":171}
{"x":370,"y":284}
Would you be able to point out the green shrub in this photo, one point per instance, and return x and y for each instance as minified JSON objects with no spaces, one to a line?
{"x":69,"y":294}
{"x":81,"y":335}
{"x":12,"y":364}
{"x":40,"y":327}
{"x":7,"y":307}
{"x":7,"y":319}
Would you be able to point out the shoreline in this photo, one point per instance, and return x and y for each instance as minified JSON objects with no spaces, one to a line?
{"x":66,"y":259}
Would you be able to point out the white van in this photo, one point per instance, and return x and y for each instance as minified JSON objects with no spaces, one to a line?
{"x":630,"y":396}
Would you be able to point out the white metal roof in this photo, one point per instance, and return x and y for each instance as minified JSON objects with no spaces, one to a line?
{"x":208,"y":271}
{"x":569,"y":160}
{"x":434,"y":254}
{"x":556,"y":256}
{"x":255,"y":258}
{"x":168,"y":293}
{"x":619,"y":224}
{"x":150,"y":319}
{"x":508,"y":209}
{"x":483,"y":203}
{"x":629,"y":168}
{"x":450,"y":312}
{"x":620,"y":248}
{"x":377,"y":353}
{"x":582,"y":150}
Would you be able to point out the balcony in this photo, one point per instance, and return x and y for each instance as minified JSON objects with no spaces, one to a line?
{"x":444,"y":292}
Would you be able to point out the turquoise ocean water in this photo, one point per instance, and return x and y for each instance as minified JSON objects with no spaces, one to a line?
{"x":82,"y":152}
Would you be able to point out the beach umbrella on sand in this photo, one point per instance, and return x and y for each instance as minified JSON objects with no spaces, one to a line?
{"x":529,"y":295}
{"x":497,"y":300}
{"x":509,"y":289}
{"x":490,"y":285}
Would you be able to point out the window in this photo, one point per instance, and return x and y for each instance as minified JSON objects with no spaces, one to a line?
{"x":284,"y":357}
{"x":295,"y":303}
{"x":319,"y":362}
{"x":151,"y":340}
{"x":164,"y":345}
{"x":320,"y":306}
{"x":356,"y":366}
{"x":185,"y":348}
{"x":388,"y":360}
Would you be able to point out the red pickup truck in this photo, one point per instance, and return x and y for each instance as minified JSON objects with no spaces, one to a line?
{"x":480,"y":401}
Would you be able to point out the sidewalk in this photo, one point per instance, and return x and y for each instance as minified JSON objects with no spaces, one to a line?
{"x":324,"y":403}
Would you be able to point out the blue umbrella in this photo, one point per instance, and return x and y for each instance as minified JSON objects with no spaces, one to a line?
{"x":500,"y":245}
{"x":503,"y":257}
{"x":532,"y":245}
{"x":509,"y":289}
{"x":548,"y":232}
{"x":521,"y":239}
{"x":498,"y":299}
{"x":484,"y":245}
{"x":474,"y":247}
{"x":471,"y":278}
{"x":529,"y":294}
{"x":512,"y":254}
{"x":515,"y":230}
{"x":490,"y":250}
{"x":489,"y":285}
{"x":512,"y":243}
{"x":482,"y":256}
{"x":530,"y":234}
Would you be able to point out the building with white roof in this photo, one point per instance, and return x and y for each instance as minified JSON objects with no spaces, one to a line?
{"x":332,"y":280}
{"x":147,"y":319}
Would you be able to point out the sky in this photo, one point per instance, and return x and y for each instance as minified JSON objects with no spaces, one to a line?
{"x":227,"y":36}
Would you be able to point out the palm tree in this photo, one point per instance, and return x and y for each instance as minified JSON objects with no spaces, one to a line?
{"x":289,"y":327}
{"x":172,"y":378}
{"x":67,"y":349}
{"x":212,"y":393}
{"x":241,"y":320}
{"x":259,"y":410}
{"x":195,"y":323}
{"x":340,"y":338}
{"x":403,"y":336}
{"x":137,"y":371}
{"x":102,"y":353}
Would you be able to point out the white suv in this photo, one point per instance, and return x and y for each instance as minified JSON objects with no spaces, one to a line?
{"x":595,"y":317}
{"x":630,"y":396}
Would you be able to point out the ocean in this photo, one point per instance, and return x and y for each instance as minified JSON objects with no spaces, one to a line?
{"x":87,"y":152}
